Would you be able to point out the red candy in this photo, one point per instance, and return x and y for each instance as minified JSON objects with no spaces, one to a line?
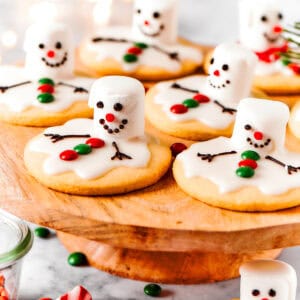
{"x":46,"y":88}
{"x":135,"y":50}
{"x":295,"y":68}
{"x":177,"y":148}
{"x":179,"y":109}
{"x":201,"y":98}
{"x":78,"y":293}
{"x":95,"y":143}
{"x":45,"y":299}
{"x":68,"y":155}
{"x":248,"y":163}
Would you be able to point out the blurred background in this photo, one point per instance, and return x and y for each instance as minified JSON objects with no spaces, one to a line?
{"x":203,"y":21}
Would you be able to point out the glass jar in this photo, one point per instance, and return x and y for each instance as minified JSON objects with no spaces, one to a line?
{"x":15,"y":242}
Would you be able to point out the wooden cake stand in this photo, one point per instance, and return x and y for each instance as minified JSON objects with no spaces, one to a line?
{"x":157,"y":234}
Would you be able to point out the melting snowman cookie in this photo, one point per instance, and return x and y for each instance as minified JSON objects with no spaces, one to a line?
{"x":268,"y":279}
{"x":201,"y":107}
{"x":148,"y":50}
{"x":106,"y":155}
{"x":252,"y":170}
{"x":45,"y":91}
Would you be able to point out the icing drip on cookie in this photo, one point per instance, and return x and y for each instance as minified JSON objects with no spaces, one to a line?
{"x":256,"y":147}
{"x":268,"y":279}
{"x":211,"y":100}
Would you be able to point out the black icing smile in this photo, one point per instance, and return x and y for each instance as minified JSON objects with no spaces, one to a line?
{"x":224,"y":85}
{"x":271,"y":39}
{"x":110,"y":130}
{"x":56,"y":65}
{"x":264,"y":144}
{"x":155,"y":34}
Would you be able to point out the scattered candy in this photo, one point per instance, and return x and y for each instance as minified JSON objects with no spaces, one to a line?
{"x":177,"y":148}
{"x":77,"y":259}
{"x":153,"y":290}
{"x":42,"y":232}
{"x":78,"y":293}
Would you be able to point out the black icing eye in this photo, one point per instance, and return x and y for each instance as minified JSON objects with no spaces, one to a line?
{"x":248,"y":127}
{"x":212,"y":61}
{"x":58,"y":45}
{"x":264,"y":19}
{"x":118,"y":107}
{"x":156,"y":15}
{"x":272,"y":293}
{"x":41,"y":46}
{"x":255,"y":293}
{"x":138,"y":11}
{"x":225,"y":67}
{"x":100,"y":104}
{"x":280,"y":16}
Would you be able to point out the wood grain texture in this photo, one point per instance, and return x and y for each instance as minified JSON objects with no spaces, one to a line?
{"x":161,"y":217}
{"x":162,"y":267}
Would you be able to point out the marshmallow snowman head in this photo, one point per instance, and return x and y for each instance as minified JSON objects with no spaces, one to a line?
{"x":268,"y":279}
{"x":155,"y":21}
{"x":260,"y":126}
{"x":230,"y":73}
{"x":49,"y":51}
{"x":260,"y":24}
{"x":118,"y":103}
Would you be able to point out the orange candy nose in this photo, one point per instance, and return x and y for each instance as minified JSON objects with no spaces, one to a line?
{"x":277,"y":29}
{"x":50,"y":53}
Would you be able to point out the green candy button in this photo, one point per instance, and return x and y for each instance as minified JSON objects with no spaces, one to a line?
{"x":285,"y":61}
{"x":45,"y":98}
{"x":153,"y":290}
{"x":42,"y":232}
{"x":245,"y":172}
{"x":46,"y":81}
{"x":250,"y":155}
{"x":77,"y":259}
{"x":83,"y":149}
{"x":190,"y":103}
{"x":141,"y":45}
{"x":130,"y":58}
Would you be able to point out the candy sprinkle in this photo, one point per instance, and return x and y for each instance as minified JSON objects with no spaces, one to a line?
{"x":152,"y":290}
{"x":77,"y":259}
{"x":42,"y":232}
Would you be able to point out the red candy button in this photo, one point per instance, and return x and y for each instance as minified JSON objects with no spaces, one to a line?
{"x":68,"y":155}
{"x":95,"y":143}
{"x":46,"y":88}
{"x":295,"y":68}
{"x":179,"y":109}
{"x":177,"y":148}
{"x":135,"y":50}
{"x":201,"y":98}
{"x":248,"y":163}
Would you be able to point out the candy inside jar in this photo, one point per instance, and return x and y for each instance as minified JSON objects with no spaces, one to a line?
{"x":15,"y":242}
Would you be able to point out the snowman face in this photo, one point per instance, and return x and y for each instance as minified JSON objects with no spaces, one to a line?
{"x":155,"y":21}
{"x":118,"y":104}
{"x":49,"y":51}
{"x":230,"y":73}
{"x":263,"y":288}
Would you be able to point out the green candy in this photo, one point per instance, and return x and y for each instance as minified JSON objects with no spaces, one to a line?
{"x":153,"y":290}
{"x":83,"y":149}
{"x":42,"y":232}
{"x":45,"y":98}
{"x":245,"y":172}
{"x":77,"y":259}
{"x":141,"y":45}
{"x":285,"y":61}
{"x":250,"y":155}
{"x":46,"y":81}
{"x":190,"y":103}
{"x":130,"y":58}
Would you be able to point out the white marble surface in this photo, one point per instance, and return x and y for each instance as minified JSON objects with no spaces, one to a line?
{"x":45,"y":270}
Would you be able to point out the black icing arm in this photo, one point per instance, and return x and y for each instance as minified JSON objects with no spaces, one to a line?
{"x":176,"y":85}
{"x":119,"y":155}
{"x":77,"y":89}
{"x":100,"y":39}
{"x":210,"y":157}
{"x":290,"y":169}
{"x":225,"y":109}
{"x":57,"y":137}
{"x":3,"y":89}
{"x":172,"y":55}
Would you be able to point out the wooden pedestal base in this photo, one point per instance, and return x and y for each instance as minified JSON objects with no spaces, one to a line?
{"x":162,"y":267}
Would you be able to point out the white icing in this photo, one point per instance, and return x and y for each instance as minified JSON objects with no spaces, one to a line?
{"x":267,"y":275}
{"x":228,"y":88}
{"x":20,"y":98}
{"x":268,"y":118}
{"x":52,"y":43}
{"x":93,"y":165}
{"x":150,"y":57}
{"x":155,"y":22}
{"x":112,"y":91}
